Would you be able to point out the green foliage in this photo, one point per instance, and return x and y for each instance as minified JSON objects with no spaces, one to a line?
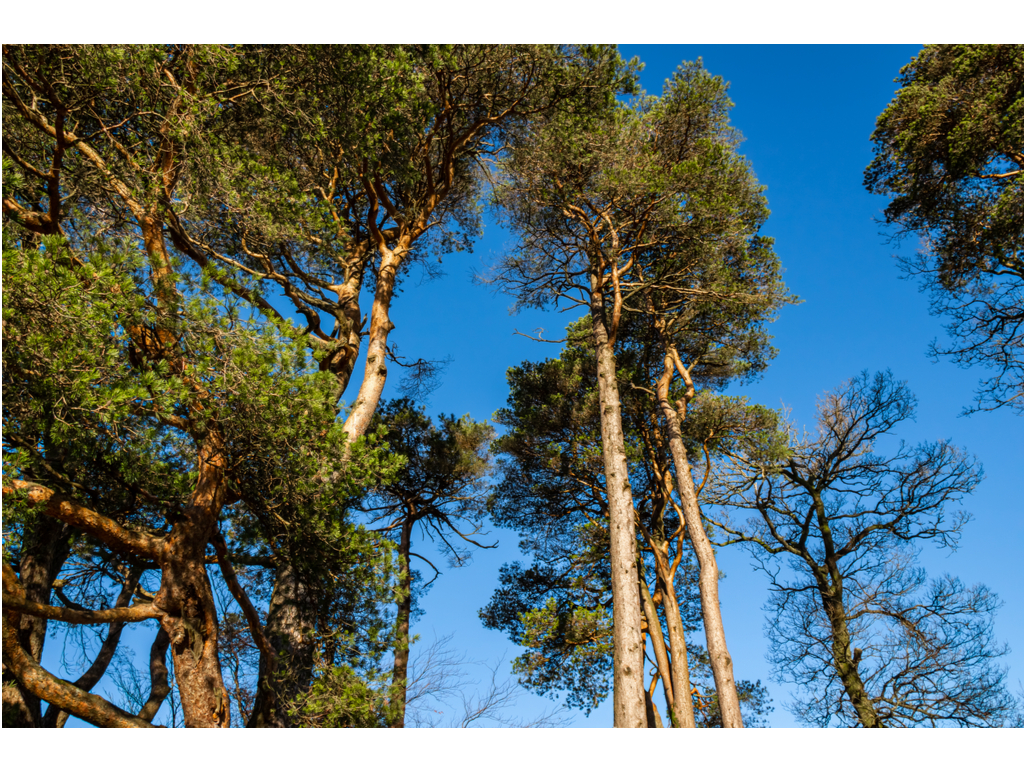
{"x":343,"y":698}
{"x":443,"y":476}
{"x":573,"y":652}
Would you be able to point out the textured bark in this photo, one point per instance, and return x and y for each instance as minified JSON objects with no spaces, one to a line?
{"x":629,"y":692}
{"x":711,"y":610}
{"x":401,"y":672}
{"x":376,"y":372}
{"x":683,"y":705}
{"x":74,"y":514}
{"x":116,"y":615}
{"x":186,"y":597}
{"x":289,"y":629}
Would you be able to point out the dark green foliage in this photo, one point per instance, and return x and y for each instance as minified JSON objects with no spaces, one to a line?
{"x":443,"y":469}
{"x":344,"y":698}
{"x":949,"y":153}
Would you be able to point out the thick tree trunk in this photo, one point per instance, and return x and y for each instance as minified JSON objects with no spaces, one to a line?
{"x":629,"y":692}
{"x":401,"y":671}
{"x":711,"y":610}
{"x":187,"y":598}
{"x":290,"y":630}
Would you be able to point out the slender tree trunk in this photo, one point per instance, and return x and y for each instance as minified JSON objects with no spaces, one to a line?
{"x":665,"y":668}
{"x":401,"y":672}
{"x":683,"y":703}
{"x":629,"y":692}
{"x":159,"y":687}
{"x":376,"y":372}
{"x":711,"y":610}
{"x":290,"y":626}
{"x":846,"y":663}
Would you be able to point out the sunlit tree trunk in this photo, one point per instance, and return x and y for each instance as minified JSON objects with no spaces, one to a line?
{"x":629,"y":695}
{"x":290,"y":626}
{"x":187,"y":598}
{"x":711,"y":610}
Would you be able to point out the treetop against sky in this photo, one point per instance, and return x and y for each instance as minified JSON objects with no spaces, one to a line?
{"x":807,"y":114}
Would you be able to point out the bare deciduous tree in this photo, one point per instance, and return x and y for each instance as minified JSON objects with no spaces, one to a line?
{"x":837,"y":528}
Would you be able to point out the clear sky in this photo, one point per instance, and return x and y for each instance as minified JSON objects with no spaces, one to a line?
{"x":807,"y":113}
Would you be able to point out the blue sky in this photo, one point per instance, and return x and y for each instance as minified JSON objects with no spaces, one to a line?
{"x":807,"y":113}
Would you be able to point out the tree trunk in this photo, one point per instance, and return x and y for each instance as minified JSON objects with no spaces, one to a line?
{"x":846,"y":664}
{"x":682,"y":709}
{"x":711,"y":610}
{"x":187,"y":598}
{"x":376,"y":371}
{"x":401,"y":672}
{"x":665,"y":668}
{"x":629,"y":692}
{"x":290,"y":629}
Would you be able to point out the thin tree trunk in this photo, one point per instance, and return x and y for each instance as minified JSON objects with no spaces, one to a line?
{"x":401,"y":672}
{"x":376,"y":371}
{"x":711,"y":610}
{"x":159,"y":687}
{"x":676,"y":675}
{"x":681,"y":686}
{"x":660,"y":650}
{"x":629,"y":692}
